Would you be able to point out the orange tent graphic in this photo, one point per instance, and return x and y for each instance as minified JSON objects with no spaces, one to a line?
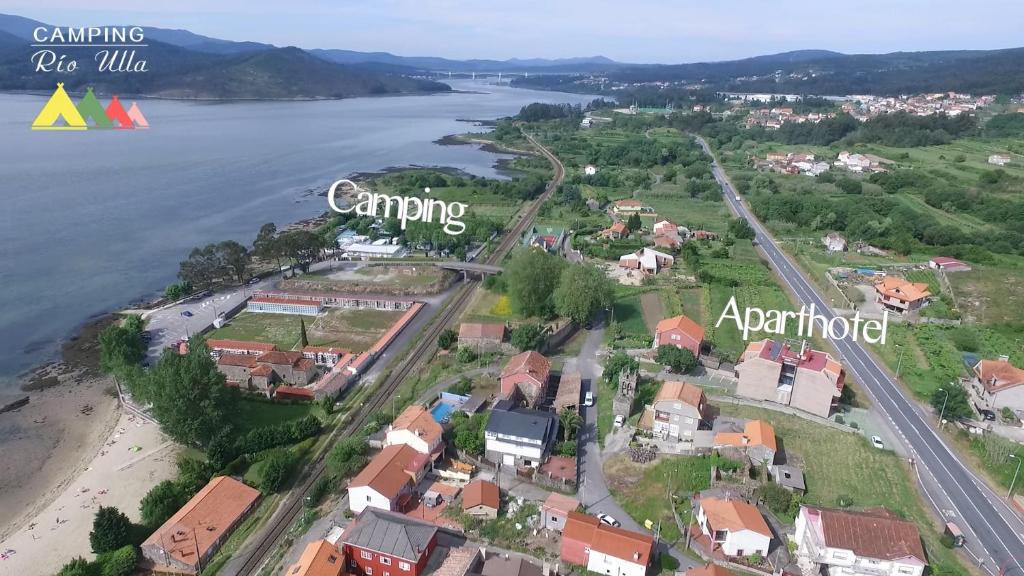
{"x":59,"y":106}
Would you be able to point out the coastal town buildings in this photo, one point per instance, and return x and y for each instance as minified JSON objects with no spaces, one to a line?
{"x":735,"y":527}
{"x":483,"y":337}
{"x":481,"y":499}
{"x":677,"y":411}
{"x":681,"y":332}
{"x":756,"y":443}
{"x":847,"y":543}
{"x":416,"y":428}
{"x":320,"y":558}
{"x":388,"y":480}
{"x":902,"y":296}
{"x":555,"y":511}
{"x":280,"y":305}
{"x":519,"y":436}
{"x":646,"y":260}
{"x":525,"y":377}
{"x":604,"y":549}
{"x":999,"y":383}
{"x":380,"y":542}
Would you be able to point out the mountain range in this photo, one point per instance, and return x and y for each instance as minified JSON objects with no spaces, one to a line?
{"x":183,"y":64}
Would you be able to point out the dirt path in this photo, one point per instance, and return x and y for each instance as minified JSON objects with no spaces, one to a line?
{"x":653,"y":309}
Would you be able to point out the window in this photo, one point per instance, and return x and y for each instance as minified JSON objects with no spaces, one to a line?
{"x":332,"y":559}
{"x":366,"y":555}
{"x":369,"y":571}
{"x":404,"y":566}
{"x":385,"y":560}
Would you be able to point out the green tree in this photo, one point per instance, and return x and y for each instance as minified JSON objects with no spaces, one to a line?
{"x":618,"y":362}
{"x":276,"y":466}
{"x":161,"y":502}
{"x":78,"y":567}
{"x":447,"y":338}
{"x":740,"y":228}
{"x":303,"y":339}
{"x":120,"y":562}
{"x":111,"y":530}
{"x":571,"y":422}
{"x":957,"y":405}
{"x":121,"y":346}
{"x":266,"y":245}
{"x":679,"y":360}
{"x":347,"y":457}
{"x":302,"y":246}
{"x":193,"y":474}
{"x":465,"y":355}
{"x":532,"y":276}
{"x":468,"y":432}
{"x":528,"y":336}
{"x":236,"y":259}
{"x":634,"y":223}
{"x":583,"y":291}
{"x":188,"y":395}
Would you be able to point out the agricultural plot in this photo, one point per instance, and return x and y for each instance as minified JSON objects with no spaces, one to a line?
{"x":354,"y":330}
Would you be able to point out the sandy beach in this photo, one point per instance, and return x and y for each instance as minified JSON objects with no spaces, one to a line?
{"x":130,"y":457}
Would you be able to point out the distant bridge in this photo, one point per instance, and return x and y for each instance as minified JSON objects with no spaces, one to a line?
{"x":481,"y":269}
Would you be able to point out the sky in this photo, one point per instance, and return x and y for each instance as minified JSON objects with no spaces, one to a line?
{"x":642,"y":31}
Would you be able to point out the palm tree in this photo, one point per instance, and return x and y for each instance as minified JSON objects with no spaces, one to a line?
{"x":571,"y":422}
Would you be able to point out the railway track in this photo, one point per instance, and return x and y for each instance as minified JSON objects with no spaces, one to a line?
{"x":424,"y":349}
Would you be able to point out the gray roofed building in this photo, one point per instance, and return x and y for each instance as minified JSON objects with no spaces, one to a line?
{"x":519,"y":436}
{"x":505,"y":565}
{"x":789,"y":477}
{"x":389,"y":533}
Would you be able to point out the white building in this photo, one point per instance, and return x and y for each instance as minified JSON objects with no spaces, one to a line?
{"x":283,"y":305}
{"x":999,"y":159}
{"x":519,"y":437}
{"x":388,"y":480}
{"x":869,"y":543}
{"x":590,"y":169}
{"x":366,"y":251}
{"x":646,"y":260}
{"x":416,"y":428}
{"x":734,"y":527}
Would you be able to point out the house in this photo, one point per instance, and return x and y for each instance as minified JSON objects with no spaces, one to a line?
{"x":847,"y":543}
{"x":519,"y":436}
{"x":194,"y":533}
{"x":380,"y":543}
{"x":676,"y":412}
{"x":389,"y":479}
{"x":569,"y":388}
{"x":603,"y":549}
{"x":806,"y":379}
{"x":703,"y":235}
{"x":900,"y":295}
{"x":646,"y":260}
{"x":326,"y":355}
{"x":947,"y":264}
{"x":506,"y":565}
{"x":283,"y":305}
{"x":756,"y":442}
{"x":482,"y":337}
{"x":681,"y":332}
{"x":416,"y":428}
{"x":999,"y":159}
{"x":734,"y":527}
{"x":710,"y":569}
{"x":617,"y":231}
{"x":590,"y":169}
{"x":547,"y":237}
{"x":834,"y":242}
{"x":555,"y":511}
{"x":320,"y":558}
{"x":527,"y":375}
{"x":290,"y":367}
{"x":668,"y":242}
{"x":367,"y":251}
{"x":481,"y":499}
{"x":630,"y":206}
{"x":999,"y":383}
{"x":218,"y":347}
{"x":789,"y":477}
{"x":665,"y":227}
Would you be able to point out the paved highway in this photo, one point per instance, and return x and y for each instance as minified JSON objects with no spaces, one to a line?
{"x":994,"y":531}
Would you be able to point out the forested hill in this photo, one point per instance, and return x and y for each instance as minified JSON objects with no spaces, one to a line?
{"x":832,"y":73}
{"x":239,"y":70}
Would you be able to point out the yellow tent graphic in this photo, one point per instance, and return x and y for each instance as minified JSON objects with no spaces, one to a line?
{"x":59,"y":106}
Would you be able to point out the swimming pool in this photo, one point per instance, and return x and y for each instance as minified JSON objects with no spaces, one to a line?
{"x":442,"y":411}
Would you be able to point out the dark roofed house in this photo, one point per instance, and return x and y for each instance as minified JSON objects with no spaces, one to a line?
{"x":505,"y":565}
{"x":517,"y":436}
{"x":379,"y":541}
{"x":789,"y":477}
{"x":569,"y":388}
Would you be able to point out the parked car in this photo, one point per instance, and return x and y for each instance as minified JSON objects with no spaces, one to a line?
{"x":187,"y":314}
{"x":588,"y":399}
{"x":608,"y":520}
{"x":986,"y":415}
{"x":877,"y":442}
{"x":619,"y":420}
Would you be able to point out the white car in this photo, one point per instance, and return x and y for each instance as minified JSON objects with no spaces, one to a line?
{"x":588,"y":400}
{"x":619,"y":420}
{"x":608,"y":520}
{"x":877,"y":442}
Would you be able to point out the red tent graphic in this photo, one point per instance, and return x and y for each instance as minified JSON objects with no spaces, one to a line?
{"x":118,"y":116}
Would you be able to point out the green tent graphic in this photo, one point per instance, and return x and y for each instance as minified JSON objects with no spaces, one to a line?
{"x":59,"y":106}
{"x":91,"y":109}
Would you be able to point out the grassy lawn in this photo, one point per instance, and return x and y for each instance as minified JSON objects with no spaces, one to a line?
{"x":669,"y":201}
{"x":251,"y":413}
{"x":356,"y":330}
{"x":843,"y":469}
{"x":489,"y":306}
{"x":628,"y":316}
{"x":991,"y":293}
{"x":646,"y":490}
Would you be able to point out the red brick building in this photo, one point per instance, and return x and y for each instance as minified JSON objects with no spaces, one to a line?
{"x":681,"y":332}
{"x":383,"y":543}
{"x":526,"y":374}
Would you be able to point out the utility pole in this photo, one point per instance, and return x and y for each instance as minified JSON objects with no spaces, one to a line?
{"x":899,"y":363}
{"x":943,"y":411}
{"x":1015,"y":473}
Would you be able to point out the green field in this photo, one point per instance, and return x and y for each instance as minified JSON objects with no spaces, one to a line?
{"x":251,"y":413}
{"x":842,"y":468}
{"x":354,"y":330}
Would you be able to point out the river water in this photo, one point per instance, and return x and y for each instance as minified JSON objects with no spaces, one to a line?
{"x":92,"y":221}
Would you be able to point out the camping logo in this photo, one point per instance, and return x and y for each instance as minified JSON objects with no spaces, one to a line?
{"x":60,"y":107}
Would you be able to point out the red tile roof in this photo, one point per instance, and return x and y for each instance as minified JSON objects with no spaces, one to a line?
{"x":419,"y":421}
{"x":243,"y":360}
{"x":320,"y":558}
{"x":389,"y":471}
{"x":281,"y":300}
{"x":481,"y":493}
{"x":623,"y":544}
{"x":215,"y":344}
{"x":205,"y":520}
{"x":998,"y":375}
{"x":709,"y":570}
{"x":734,"y":516}
{"x":684,"y":324}
{"x":262,"y":370}
{"x":681,"y":391}
{"x":561,"y":503}
{"x":532,"y":363}
{"x":871,"y":533}
{"x":755,"y":433}
{"x":280,"y":358}
{"x":486,"y":331}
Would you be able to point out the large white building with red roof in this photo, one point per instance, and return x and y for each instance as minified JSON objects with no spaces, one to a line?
{"x":603,"y":549}
{"x":388,"y":480}
{"x":869,"y":543}
{"x":999,"y":383}
{"x":807,"y":379}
